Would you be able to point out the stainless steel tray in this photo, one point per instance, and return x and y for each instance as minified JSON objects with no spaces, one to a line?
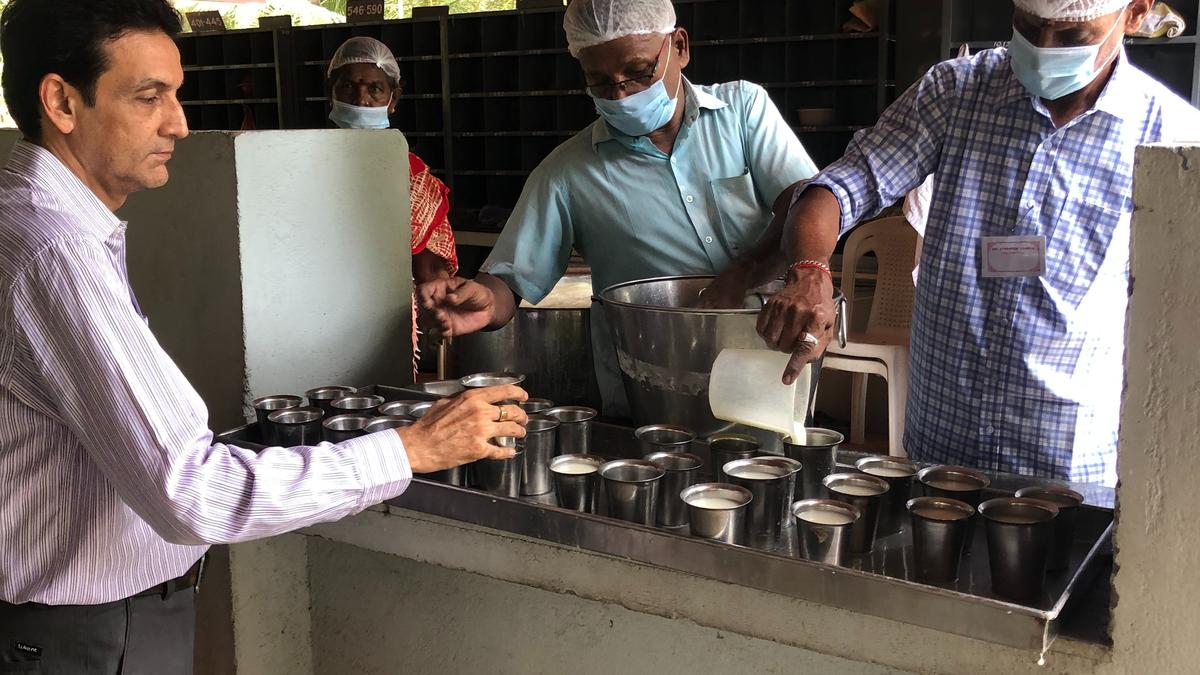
{"x":880,"y":584}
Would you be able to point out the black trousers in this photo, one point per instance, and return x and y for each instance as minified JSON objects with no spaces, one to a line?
{"x":149,"y":635}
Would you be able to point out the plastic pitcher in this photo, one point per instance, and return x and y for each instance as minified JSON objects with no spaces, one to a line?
{"x":746,"y":387}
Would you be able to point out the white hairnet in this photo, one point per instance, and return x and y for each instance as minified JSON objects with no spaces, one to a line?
{"x":365,"y":50}
{"x":592,"y":22}
{"x":1070,"y":10}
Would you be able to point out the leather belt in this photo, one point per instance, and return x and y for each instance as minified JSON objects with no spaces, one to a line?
{"x":189,"y":579}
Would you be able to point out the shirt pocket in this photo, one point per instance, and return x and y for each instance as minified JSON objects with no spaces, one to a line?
{"x":1091,"y":248}
{"x":743,"y":216}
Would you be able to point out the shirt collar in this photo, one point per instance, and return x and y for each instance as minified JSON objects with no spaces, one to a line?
{"x":1118,"y":97}
{"x":41,"y":167}
{"x":694,"y":100}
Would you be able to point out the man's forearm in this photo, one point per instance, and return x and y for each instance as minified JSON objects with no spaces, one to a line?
{"x":504,"y":303}
{"x":812,"y":228}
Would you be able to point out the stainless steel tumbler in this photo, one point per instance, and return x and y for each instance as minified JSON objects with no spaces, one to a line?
{"x":397,"y":408}
{"x":632,"y":486}
{"x":955,"y":482}
{"x":321,"y":397}
{"x":385,"y":422}
{"x":1068,"y":502}
{"x":664,"y":438}
{"x":577,"y":481}
{"x":717,"y":511}
{"x":575,"y":428}
{"x":356,"y":404}
{"x":823,"y":529}
{"x":939,"y":532}
{"x":535,"y":406}
{"x":481,"y":380}
{"x":416,"y":412}
{"x":341,"y":428}
{"x":818,"y":454}
{"x":899,"y":474}
{"x":500,"y":476}
{"x":865,"y":493}
{"x":541,"y":445}
{"x":682,"y":471}
{"x":1018,"y":536}
{"x":769,"y":483}
{"x":294,"y":426}
{"x":268,"y":404}
{"x":725,"y":448}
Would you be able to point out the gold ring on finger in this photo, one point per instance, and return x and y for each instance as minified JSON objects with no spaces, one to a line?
{"x":503,"y":414}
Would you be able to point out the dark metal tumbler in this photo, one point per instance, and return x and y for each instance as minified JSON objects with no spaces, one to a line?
{"x":769,"y":483}
{"x":823,"y":528}
{"x":294,"y":426}
{"x":664,"y":438}
{"x":900,"y":475}
{"x":268,"y":404}
{"x":341,"y":428}
{"x":939,"y":531}
{"x":955,"y":482}
{"x":717,"y":511}
{"x":632,"y":488}
{"x":356,"y":404}
{"x":818,"y":454}
{"x":577,"y":481}
{"x":385,"y":422}
{"x":321,"y":397}
{"x":1068,"y":502}
{"x":1018,"y":535}
{"x":541,"y":445}
{"x":535,"y":406}
{"x":865,"y":493}
{"x":682,"y":471}
{"x":575,"y":428}
{"x":500,"y":476}
{"x":725,"y":448}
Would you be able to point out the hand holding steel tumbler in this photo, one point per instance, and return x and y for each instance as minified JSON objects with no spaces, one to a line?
{"x":458,"y":430}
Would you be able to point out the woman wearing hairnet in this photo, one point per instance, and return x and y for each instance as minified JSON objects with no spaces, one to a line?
{"x":365,"y":85}
{"x":674,"y":178}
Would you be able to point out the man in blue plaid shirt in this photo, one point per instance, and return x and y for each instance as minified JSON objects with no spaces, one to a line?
{"x":1018,"y":323}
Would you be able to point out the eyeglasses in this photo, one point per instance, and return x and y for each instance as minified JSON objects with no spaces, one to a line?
{"x":632,"y":85}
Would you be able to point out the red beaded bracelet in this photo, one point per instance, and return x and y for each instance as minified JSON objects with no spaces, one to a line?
{"x":811,"y":265}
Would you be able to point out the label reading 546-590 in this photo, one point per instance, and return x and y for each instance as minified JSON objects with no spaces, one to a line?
{"x":364,"y":10}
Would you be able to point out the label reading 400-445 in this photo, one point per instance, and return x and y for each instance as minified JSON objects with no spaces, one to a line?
{"x":364,"y":10}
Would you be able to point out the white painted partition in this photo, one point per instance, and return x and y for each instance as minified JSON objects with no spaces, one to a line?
{"x":277,"y":261}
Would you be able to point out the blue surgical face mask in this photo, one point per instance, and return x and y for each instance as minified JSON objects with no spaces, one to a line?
{"x":641,"y":113}
{"x":349,"y":116}
{"x":1054,"y":72}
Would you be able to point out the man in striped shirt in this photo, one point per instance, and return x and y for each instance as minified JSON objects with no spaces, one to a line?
{"x":112,"y":486}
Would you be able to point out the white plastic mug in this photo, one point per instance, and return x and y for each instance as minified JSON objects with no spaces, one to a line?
{"x":746,"y":387}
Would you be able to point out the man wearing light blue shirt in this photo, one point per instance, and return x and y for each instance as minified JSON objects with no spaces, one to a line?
{"x":673,"y":179}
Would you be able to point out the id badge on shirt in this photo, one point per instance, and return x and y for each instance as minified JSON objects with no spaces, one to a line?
{"x":1005,"y":257}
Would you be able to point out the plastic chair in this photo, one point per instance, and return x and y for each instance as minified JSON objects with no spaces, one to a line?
{"x":881,"y":349}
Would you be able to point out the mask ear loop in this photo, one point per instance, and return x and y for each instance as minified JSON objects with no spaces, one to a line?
{"x":1118,"y":50}
{"x":679,"y":84}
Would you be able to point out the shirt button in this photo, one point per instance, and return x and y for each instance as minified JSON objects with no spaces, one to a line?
{"x":708,"y":240}
{"x":674,"y":160}
{"x":689,"y":199}
{"x":989,"y":431}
